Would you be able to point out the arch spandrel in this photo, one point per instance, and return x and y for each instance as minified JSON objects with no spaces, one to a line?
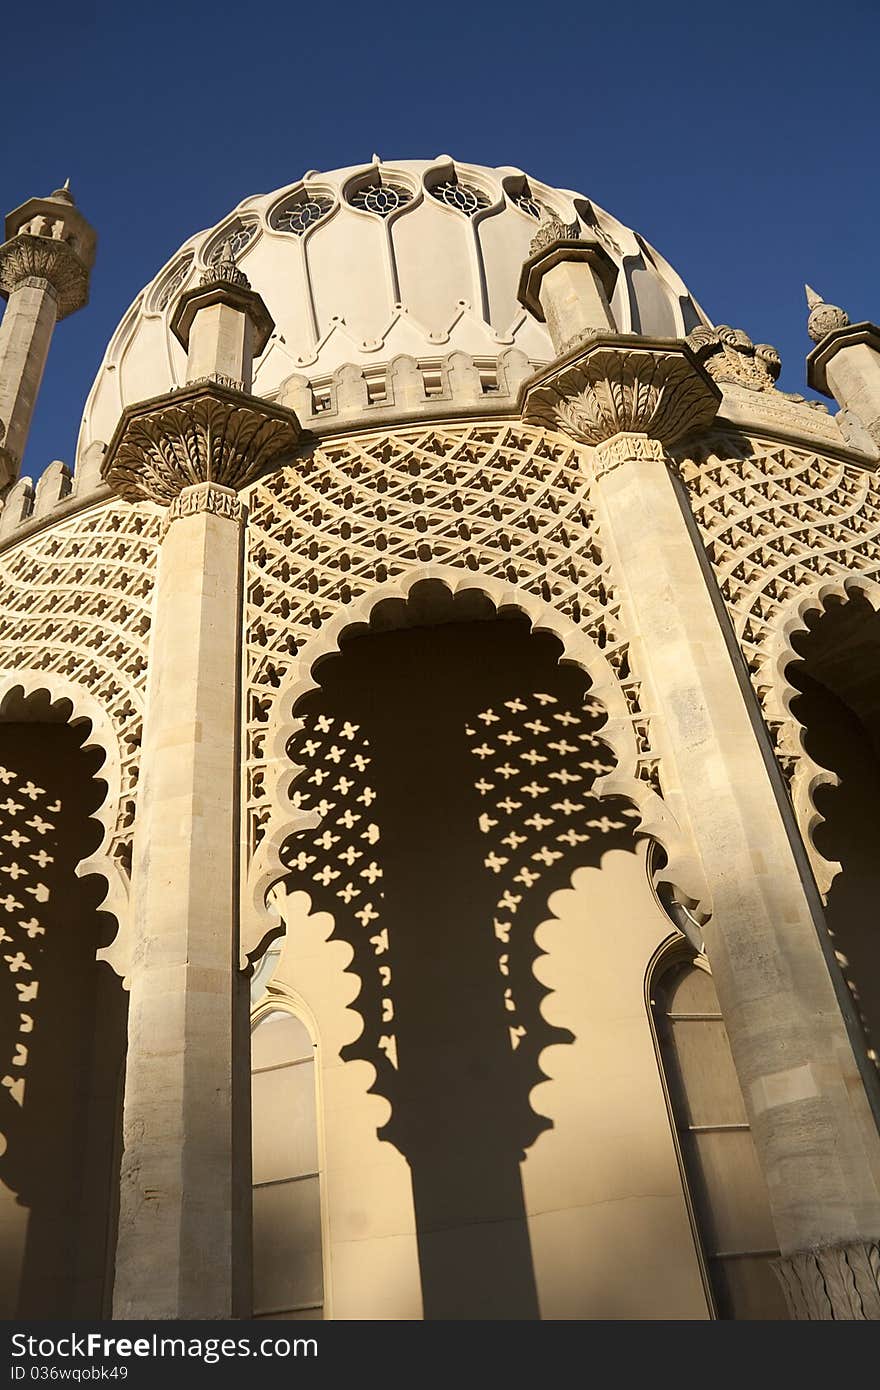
{"x":498,"y":512}
{"x":74,"y":622}
{"x":789,"y":532}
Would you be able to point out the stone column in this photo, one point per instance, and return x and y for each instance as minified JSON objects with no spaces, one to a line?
{"x":175,"y":1254}
{"x":44,"y":274}
{"x":183,"y":1237}
{"x":813,"y":1129}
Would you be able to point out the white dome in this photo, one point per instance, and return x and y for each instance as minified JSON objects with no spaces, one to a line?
{"x":362,"y":265}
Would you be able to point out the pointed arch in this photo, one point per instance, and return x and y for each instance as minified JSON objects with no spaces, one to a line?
{"x":805,"y":776}
{"x":70,"y":703}
{"x":408,"y":602}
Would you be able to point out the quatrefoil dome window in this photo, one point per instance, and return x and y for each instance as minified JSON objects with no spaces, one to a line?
{"x":240,"y":236}
{"x":463,"y":196}
{"x":526,"y":203}
{"x":301,"y":212}
{"x":380,"y":197}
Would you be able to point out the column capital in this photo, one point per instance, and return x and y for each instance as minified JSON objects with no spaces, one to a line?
{"x":48,"y":239}
{"x":27,"y":259}
{"x":623,"y":384}
{"x":203,"y":433}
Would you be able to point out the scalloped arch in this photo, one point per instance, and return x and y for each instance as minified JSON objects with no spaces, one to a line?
{"x":806,"y":775}
{"x":259,"y":921}
{"x":84,"y":709}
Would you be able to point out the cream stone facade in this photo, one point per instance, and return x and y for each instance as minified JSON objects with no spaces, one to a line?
{"x":440,"y":716}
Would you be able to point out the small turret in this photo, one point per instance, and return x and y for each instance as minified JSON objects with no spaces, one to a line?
{"x":45,"y":264}
{"x":845,"y":363}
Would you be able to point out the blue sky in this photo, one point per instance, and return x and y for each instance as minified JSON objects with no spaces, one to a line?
{"x":740,"y":139}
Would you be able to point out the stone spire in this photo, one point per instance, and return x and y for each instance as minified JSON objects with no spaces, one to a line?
{"x":824,"y":318}
{"x":45,"y":263}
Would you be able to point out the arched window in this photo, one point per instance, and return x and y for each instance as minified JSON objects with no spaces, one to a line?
{"x":726,"y":1185}
{"x":288,"y":1270}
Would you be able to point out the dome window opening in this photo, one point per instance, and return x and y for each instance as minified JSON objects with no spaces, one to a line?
{"x":526,"y":203}
{"x":463,"y":196}
{"x":301,"y":212}
{"x":236,"y":239}
{"x":173,"y":284}
{"x":380,"y":198}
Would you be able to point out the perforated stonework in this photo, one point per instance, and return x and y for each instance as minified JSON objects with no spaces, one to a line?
{"x":75,"y":604}
{"x":786,"y":530}
{"x":505,"y":502}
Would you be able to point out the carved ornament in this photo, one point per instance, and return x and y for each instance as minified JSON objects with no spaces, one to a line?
{"x":623,"y":448}
{"x":204,"y":497}
{"x":201,"y":434}
{"x":551,"y":230}
{"x":728,"y":354}
{"x":840,"y":1283}
{"x":27,"y":257}
{"x":824,"y":318}
{"x":623,"y":384}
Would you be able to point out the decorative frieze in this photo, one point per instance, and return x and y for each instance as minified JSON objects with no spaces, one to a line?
{"x":201,"y":434}
{"x":622,"y":448}
{"x":623,"y":384}
{"x":839,"y":1283}
{"x":204,"y":497}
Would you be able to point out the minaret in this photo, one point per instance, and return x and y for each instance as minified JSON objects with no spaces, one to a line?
{"x":44,"y":274}
{"x":845,"y":363}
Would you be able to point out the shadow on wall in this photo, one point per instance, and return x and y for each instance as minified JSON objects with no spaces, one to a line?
{"x":62,"y":1026}
{"x":839,"y":705}
{"x":452,"y":766}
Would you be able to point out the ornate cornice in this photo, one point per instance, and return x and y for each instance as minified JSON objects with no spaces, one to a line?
{"x":200,"y":434}
{"x":838,"y":1283}
{"x":623,"y":384}
{"x":729,"y":355}
{"x":25,"y":257}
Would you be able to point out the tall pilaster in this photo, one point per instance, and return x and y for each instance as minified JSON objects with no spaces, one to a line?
{"x":44,"y":274}
{"x":181,"y":1248}
{"x":630,"y":399}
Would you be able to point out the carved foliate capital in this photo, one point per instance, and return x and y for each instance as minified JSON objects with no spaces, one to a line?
{"x":25,"y":257}
{"x":623,"y":384}
{"x":839,"y":1283}
{"x":729,"y":355}
{"x":200,"y":434}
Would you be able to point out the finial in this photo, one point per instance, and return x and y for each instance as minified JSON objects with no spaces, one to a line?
{"x":551,"y":228}
{"x":824,"y":318}
{"x":62,"y":194}
{"x":377,"y":159}
{"x":223,"y":268}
